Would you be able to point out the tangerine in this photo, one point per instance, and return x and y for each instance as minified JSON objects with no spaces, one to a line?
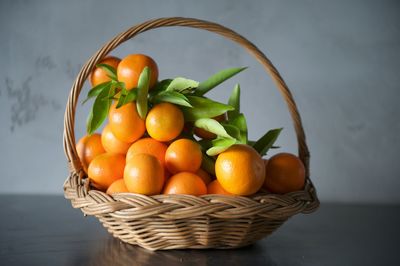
{"x":88,"y":147}
{"x":118,"y":186}
{"x":130,"y":68}
{"x":285,"y":173}
{"x":148,"y":146}
{"x":185,"y":183}
{"x":164,"y":122}
{"x":126,"y":123}
{"x":98,"y":75}
{"x":183,"y":155}
{"x":105,"y":169}
{"x":111,"y":143}
{"x":215,"y":188}
{"x":144,"y":174}
{"x":240,"y":170}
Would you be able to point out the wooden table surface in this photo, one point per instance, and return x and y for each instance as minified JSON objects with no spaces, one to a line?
{"x":46,"y":230}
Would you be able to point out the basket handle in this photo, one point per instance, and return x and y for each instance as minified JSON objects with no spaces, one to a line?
{"x":69,"y":119}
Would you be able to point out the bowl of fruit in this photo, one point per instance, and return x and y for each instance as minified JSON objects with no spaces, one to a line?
{"x":164,"y":166}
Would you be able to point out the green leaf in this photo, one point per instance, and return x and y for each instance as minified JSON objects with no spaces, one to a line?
{"x":251,"y":142}
{"x":99,"y":110}
{"x":122,"y":96}
{"x":208,"y":164}
{"x":119,"y":84}
{"x":239,"y":121}
{"x":111,"y":72}
{"x":97,"y":90}
{"x":171,"y":97}
{"x":127,"y":97}
{"x":160,"y":86}
{"x":89,"y":120}
{"x":266,"y":142}
{"x":220,"y":145}
{"x":213,"y":126}
{"x":112,"y":92}
{"x":234,"y":100}
{"x":182,"y":85}
{"x":233,"y":131}
{"x":203,"y":108}
{"x":143,"y":89}
{"x":131,"y":96}
{"x":217,"y":79}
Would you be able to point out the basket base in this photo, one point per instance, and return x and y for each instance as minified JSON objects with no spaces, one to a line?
{"x":197,"y":233}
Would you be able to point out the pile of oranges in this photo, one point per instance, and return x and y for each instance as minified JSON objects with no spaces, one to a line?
{"x":161,"y":152}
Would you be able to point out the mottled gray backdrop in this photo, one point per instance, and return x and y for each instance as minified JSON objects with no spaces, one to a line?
{"x":340,"y":59}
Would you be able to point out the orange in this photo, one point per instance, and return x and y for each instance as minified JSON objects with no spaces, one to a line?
{"x":148,"y":146}
{"x":204,"y":176}
{"x":126,"y":123}
{"x":130,"y":68}
{"x":240,"y":170}
{"x":164,"y":122}
{"x":185,"y":183}
{"x":183,"y":155}
{"x":117,"y":186}
{"x":111,"y":143}
{"x":144,"y":174}
{"x":105,"y":169}
{"x":98,"y":75}
{"x":215,"y":188}
{"x":204,"y":134}
{"x":88,"y":147}
{"x":285,"y":173}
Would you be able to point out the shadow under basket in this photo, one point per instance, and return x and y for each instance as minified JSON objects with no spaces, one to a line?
{"x":185,"y":221}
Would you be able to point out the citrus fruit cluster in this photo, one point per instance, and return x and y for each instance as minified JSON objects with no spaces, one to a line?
{"x":167,"y":137}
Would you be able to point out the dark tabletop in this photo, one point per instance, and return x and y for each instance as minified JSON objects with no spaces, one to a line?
{"x":46,"y":230}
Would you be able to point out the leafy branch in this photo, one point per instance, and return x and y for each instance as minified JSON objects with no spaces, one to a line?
{"x":188,"y":95}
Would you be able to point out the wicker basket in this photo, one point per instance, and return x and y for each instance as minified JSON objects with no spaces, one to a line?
{"x":184,"y":221}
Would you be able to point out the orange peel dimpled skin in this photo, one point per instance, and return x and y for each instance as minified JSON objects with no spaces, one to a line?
{"x":183,"y":155}
{"x":130,"y":68}
{"x":126,"y":123}
{"x":240,"y":170}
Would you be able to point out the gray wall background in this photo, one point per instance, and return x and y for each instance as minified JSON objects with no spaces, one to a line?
{"x":340,"y":59}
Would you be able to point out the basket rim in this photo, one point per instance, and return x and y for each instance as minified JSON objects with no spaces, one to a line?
{"x":137,"y":206}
